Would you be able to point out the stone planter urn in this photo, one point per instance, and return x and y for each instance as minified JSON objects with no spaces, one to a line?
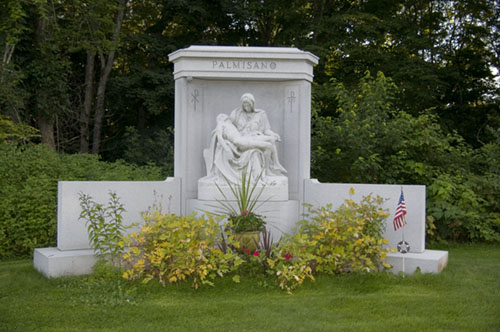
{"x":248,"y":241}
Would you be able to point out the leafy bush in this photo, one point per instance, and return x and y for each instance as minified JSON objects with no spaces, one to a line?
{"x":369,"y":140}
{"x":346,"y":240}
{"x":11,"y":132}
{"x":291,"y":271}
{"x":28,"y":191}
{"x":172,"y":248}
{"x":246,"y":222}
{"x":342,"y":241}
{"x":104,"y":225}
{"x":467,"y":202}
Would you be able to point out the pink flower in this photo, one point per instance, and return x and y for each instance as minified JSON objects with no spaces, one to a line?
{"x":244,"y":212}
{"x":247,"y":251}
{"x":288,"y":256}
{"x":256,"y":253}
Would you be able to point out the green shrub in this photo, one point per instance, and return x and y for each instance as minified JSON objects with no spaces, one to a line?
{"x":172,"y":248}
{"x":369,"y":140}
{"x":28,"y":191}
{"x":466,"y":203}
{"x":348,"y":239}
{"x":12,"y":133}
{"x":104,"y":225}
{"x":342,"y":241}
{"x":291,"y":263}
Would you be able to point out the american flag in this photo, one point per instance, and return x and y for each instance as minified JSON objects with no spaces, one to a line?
{"x":399,"y":217}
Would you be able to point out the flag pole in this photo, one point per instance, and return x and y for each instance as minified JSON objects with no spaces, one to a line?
{"x":400,"y":222}
{"x":404,"y":254}
{"x":403,"y":236}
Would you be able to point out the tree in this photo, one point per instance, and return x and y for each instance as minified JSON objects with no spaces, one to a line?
{"x":471,"y":99}
{"x":12,"y":27}
{"x":106,"y":66}
{"x":438,"y":53}
{"x":97,"y":26}
{"x":33,"y":66}
{"x":48,"y":74}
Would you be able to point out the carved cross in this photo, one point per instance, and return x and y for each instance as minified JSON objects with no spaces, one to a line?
{"x":195,"y":94}
{"x":291,"y":100}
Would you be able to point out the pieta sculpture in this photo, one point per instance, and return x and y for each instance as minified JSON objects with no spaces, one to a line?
{"x":243,"y":142}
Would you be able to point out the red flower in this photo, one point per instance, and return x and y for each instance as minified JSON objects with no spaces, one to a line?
{"x":247,"y":251}
{"x":244,"y":213}
{"x":288,"y":256}
{"x":256,"y":253}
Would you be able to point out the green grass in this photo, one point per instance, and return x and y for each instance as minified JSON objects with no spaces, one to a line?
{"x":465,"y":297}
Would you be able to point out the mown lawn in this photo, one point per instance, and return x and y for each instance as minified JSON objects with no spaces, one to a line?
{"x":465,"y":297}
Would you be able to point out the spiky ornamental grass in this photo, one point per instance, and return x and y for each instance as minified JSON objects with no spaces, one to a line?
{"x":246,"y":194}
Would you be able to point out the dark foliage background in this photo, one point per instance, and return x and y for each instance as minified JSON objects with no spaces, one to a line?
{"x":94,"y":77}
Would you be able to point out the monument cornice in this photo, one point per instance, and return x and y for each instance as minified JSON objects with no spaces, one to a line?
{"x":253,"y":63}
